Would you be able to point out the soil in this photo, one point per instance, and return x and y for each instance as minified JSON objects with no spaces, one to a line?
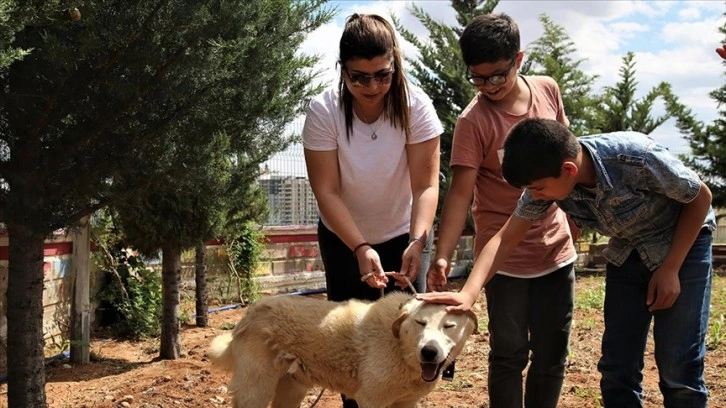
{"x":128,"y":374}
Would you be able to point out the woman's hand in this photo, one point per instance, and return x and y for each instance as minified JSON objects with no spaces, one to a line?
{"x":369,"y":264}
{"x":410,"y":264}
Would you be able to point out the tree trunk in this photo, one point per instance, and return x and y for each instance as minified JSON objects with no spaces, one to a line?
{"x":200,"y":277}
{"x":170,"y":275}
{"x":26,"y":361}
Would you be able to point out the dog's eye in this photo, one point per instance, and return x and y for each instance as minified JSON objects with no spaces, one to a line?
{"x":421,"y":322}
{"x":449,"y":325}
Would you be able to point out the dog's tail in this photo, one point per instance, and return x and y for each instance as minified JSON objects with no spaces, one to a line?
{"x":220,"y":352}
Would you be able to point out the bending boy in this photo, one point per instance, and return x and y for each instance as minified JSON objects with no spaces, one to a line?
{"x":659,"y":217}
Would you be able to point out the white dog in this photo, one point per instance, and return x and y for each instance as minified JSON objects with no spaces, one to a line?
{"x":387,"y":353}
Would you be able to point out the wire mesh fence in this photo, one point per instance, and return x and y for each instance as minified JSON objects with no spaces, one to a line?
{"x":284,"y":178}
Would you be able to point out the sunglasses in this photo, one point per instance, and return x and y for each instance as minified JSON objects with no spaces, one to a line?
{"x":360,"y":80}
{"x":496,"y":79}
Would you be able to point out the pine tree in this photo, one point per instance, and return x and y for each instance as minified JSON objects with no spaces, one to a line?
{"x":551,"y":55}
{"x":440,"y":70}
{"x":620,"y":110}
{"x":98,"y":105}
{"x":707,"y":141}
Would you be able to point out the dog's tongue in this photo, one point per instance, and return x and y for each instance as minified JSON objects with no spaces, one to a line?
{"x":429,"y":371}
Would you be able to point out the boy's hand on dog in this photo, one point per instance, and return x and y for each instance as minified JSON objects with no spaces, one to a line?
{"x":458,"y":301}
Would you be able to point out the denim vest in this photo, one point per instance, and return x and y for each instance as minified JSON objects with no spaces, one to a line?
{"x":640,"y":190}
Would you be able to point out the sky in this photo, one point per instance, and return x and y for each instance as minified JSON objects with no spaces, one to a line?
{"x":673,"y":41}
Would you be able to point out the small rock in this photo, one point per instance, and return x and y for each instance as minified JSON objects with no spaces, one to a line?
{"x":126,"y":398}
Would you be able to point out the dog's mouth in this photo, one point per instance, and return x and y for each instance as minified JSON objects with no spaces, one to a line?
{"x":430,"y":371}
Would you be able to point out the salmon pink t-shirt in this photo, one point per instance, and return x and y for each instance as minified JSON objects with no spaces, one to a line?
{"x":478,"y":143}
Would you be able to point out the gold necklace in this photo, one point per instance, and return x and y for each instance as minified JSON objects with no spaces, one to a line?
{"x":374,"y":135}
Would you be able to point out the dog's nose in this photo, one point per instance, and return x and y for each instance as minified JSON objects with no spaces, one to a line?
{"x":429,"y":352}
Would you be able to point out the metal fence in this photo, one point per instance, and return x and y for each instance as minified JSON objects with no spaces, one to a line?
{"x":288,"y":163}
{"x":284,"y":178}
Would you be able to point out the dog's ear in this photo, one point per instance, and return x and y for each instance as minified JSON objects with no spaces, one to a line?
{"x":396,"y":327}
{"x":475,"y":319}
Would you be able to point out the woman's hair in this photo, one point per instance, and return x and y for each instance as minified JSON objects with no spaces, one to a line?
{"x":369,"y":36}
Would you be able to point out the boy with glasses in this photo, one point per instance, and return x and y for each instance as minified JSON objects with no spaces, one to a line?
{"x":530,"y":299}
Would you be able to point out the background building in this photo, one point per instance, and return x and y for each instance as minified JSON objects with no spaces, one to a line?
{"x":290,"y":199}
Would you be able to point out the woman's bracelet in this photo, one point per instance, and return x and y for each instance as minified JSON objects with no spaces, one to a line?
{"x":419,"y":239}
{"x":359,"y":246}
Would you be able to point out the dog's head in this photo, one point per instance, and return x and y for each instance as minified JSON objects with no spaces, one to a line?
{"x":433,"y":336}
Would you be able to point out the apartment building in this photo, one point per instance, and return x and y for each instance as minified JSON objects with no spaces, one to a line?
{"x":291,"y":200}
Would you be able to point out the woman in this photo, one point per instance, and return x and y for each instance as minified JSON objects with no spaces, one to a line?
{"x":372,"y":153}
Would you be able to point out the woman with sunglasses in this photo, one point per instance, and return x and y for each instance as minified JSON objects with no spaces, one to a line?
{"x":372,"y":154}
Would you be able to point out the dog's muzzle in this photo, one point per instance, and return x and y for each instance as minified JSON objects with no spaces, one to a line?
{"x":431,"y":362}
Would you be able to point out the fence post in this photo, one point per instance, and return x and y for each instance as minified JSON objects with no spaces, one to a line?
{"x":80,"y":314}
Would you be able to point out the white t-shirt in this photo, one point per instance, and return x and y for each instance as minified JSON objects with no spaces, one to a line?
{"x":374,"y":174}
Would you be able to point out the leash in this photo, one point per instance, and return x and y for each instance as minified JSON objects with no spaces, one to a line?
{"x":371,"y":274}
{"x":317,"y":399}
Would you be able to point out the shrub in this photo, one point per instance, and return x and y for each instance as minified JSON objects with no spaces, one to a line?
{"x":132,"y":296}
{"x":245,"y":251}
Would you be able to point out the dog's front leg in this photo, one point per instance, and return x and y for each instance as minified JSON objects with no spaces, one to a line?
{"x":289,"y":393}
{"x":405,"y":404}
{"x":368,"y":404}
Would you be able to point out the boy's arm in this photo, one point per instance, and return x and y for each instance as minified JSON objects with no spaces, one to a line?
{"x":453,"y":217}
{"x":490,"y":258}
{"x":664,"y":286}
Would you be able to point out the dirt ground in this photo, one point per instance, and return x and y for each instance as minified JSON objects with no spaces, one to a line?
{"x":125,"y":374}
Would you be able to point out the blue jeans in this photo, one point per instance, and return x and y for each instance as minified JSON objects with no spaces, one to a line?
{"x":679,"y":332}
{"x":529,"y":314}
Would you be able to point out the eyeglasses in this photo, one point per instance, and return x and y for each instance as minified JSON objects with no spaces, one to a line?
{"x":359,"y":80}
{"x":496,"y":79}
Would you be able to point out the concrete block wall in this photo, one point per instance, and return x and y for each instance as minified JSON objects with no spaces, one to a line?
{"x":291,"y":261}
{"x":57,"y":293}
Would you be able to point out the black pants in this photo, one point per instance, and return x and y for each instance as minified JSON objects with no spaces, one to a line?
{"x":342,"y":276}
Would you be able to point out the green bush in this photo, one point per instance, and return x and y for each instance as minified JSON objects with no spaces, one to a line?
{"x":132,"y":296}
{"x":245,"y":251}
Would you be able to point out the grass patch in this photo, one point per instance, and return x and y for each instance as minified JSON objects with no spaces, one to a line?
{"x":591,"y":293}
